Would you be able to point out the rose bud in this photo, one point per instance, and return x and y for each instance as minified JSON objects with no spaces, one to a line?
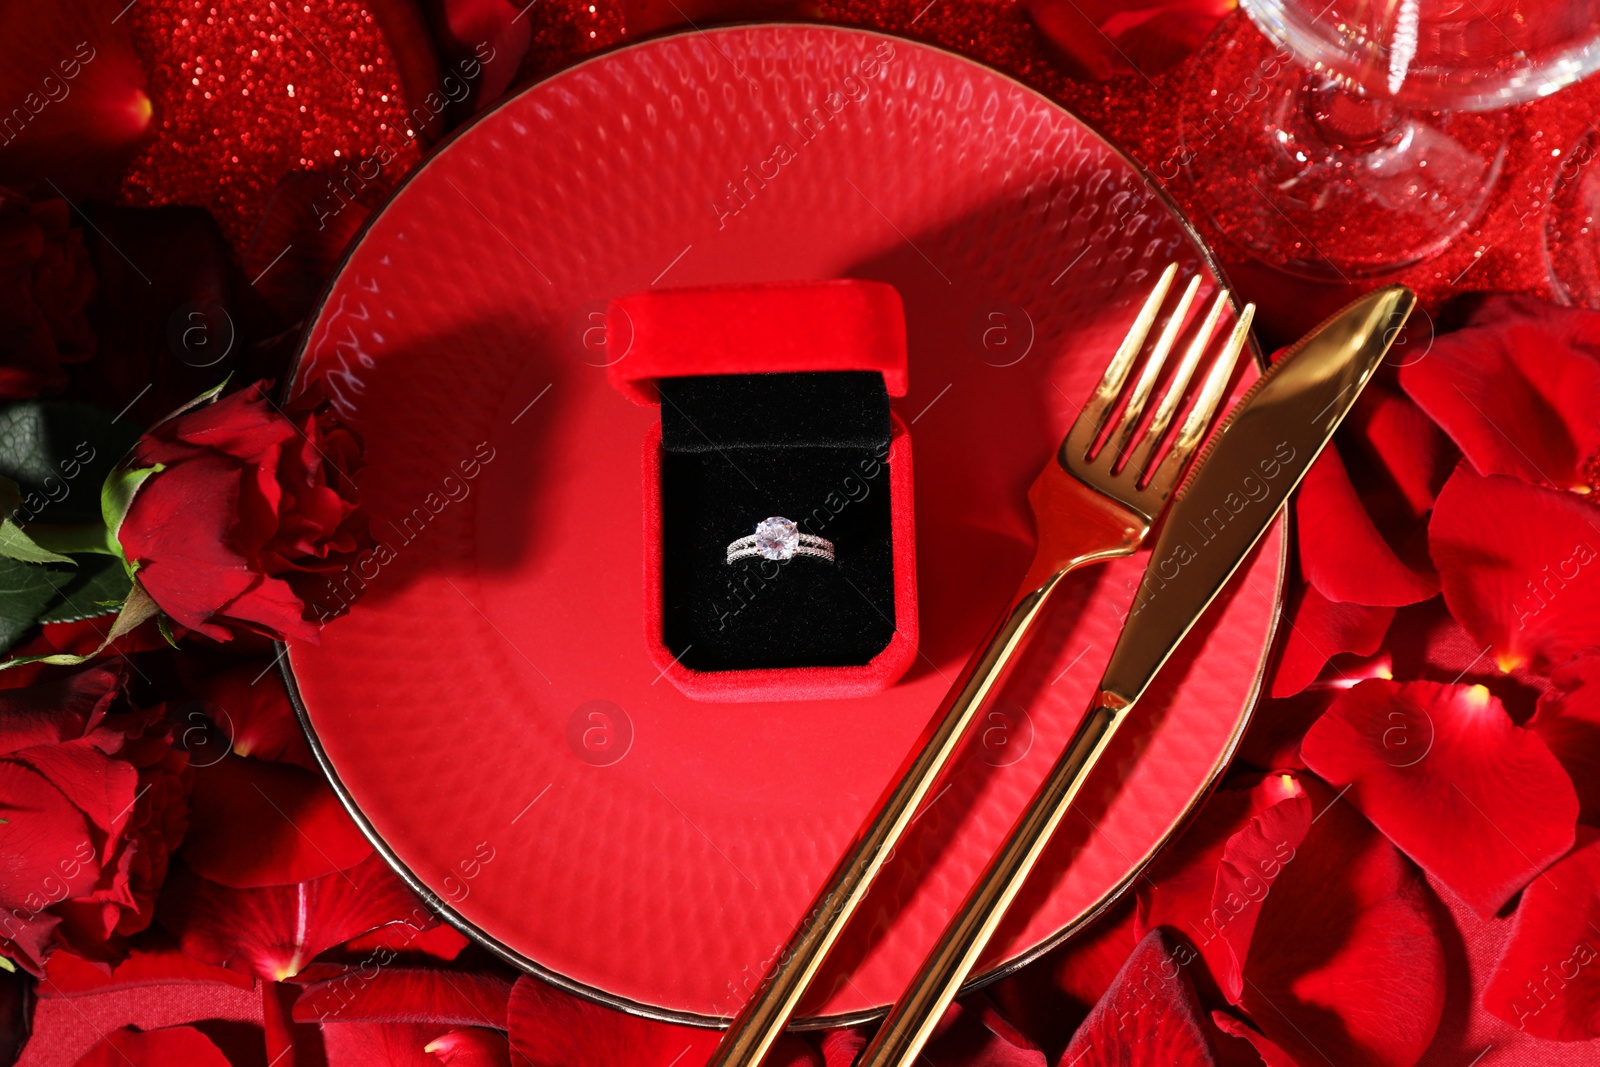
{"x":244,"y":512}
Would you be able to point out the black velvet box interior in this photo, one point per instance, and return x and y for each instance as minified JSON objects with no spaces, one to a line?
{"x":739,"y":448}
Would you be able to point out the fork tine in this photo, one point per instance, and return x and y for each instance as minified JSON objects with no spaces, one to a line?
{"x":1106,"y":393}
{"x":1152,"y":367}
{"x":1173,"y":399}
{"x":1205,"y":406}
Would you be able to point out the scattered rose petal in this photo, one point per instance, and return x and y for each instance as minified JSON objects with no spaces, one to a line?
{"x":307,"y":223}
{"x":156,"y":959}
{"x":471,"y":1048}
{"x":298,"y":830}
{"x":1520,"y":566}
{"x":378,"y":992}
{"x":549,"y":1026}
{"x":973,"y":1032}
{"x":841,"y":1047}
{"x":1150,"y":1017}
{"x":273,"y":932}
{"x":1316,"y":629}
{"x":1568,"y":721}
{"x":80,"y":83}
{"x":246,"y":701}
{"x":155,"y":1048}
{"x":390,"y":1044}
{"x":1477,"y":801}
{"x":1210,"y":886}
{"x":1547,"y":981}
{"x":487,"y":36}
{"x":406,"y":942}
{"x":1515,"y":389}
{"x":1048,"y":999}
{"x":1346,"y":935}
{"x":1342,"y":551}
{"x":1270,"y":1054}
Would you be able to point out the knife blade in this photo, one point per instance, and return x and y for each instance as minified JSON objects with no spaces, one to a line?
{"x":1254,"y":460}
{"x":1234,"y":490}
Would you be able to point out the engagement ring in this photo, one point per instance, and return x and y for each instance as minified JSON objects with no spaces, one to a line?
{"x":779,"y":538}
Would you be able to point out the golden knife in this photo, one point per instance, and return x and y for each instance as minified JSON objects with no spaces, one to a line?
{"x":1229,"y":499}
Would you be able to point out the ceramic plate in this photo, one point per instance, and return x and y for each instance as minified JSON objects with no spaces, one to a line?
{"x":490,"y":694}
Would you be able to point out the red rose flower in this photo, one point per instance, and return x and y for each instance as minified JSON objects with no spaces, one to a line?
{"x":251,"y":508}
{"x":93,"y":798}
{"x":45,"y":284}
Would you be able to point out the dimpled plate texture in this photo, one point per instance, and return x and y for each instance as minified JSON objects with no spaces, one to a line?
{"x":490,"y":694}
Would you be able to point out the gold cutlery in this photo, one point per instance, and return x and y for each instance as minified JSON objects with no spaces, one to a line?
{"x":1268,"y":440}
{"x":1088,"y":506}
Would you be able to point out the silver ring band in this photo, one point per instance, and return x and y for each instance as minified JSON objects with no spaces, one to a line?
{"x":778,"y":538}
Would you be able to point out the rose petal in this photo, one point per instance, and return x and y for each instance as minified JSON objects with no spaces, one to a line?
{"x":973,"y":1032}
{"x":1210,"y":886}
{"x":391,"y":1044}
{"x":1050,"y":998}
{"x":246,"y":701}
{"x":1270,"y":1054}
{"x":155,"y":960}
{"x":1519,"y":566}
{"x":82,"y":86}
{"x":1515,"y":389}
{"x":1347,"y":933}
{"x":305,"y":227}
{"x":1316,"y":630}
{"x":471,"y":1048}
{"x":1150,"y":1017}
{"x":1568,"y":721}
{"x":1342,"y":551}
{"x":1101,"y":38}
{"x":441,"y":942}
{"x":275,"y":931}
{"x":549,"y":1026}
{"x":1547,"y":981}
{"x":155,"y":1048}
{"x":1477,"y":801}
{"x":841,"y":1047}
{"x":61,"y":707}
{"x":381,"y":993}
{"x":298,"y":830}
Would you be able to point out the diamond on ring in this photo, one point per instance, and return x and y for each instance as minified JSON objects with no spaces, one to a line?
{"x":778,"y":538}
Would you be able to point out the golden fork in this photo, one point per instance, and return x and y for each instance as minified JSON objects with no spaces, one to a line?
{"x":1095,"y":500}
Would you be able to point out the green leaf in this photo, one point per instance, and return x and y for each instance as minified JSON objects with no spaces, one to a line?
{"x":14,"y":544}
{"x":73,"y":540}
{"x":98,"y":587}
{"x":58,"y":454}
{"x":26,"y":592}
{"x":116,"y":497}
{"x":207,"y":397}
{"x":137,"y":609}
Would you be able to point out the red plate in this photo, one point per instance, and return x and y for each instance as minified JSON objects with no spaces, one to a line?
{"x":488,"y":710}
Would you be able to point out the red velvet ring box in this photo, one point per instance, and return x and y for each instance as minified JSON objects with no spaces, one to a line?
{"x":774,"y":401}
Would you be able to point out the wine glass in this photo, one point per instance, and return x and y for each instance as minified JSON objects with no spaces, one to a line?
{"x":1379,"y":145}
{"x":1571,"y":233}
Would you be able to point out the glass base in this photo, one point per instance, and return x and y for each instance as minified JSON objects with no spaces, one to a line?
{"x":1319,"y":181}
{"x":1572,"y":227}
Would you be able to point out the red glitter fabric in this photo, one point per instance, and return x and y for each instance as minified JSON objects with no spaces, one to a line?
{"x":245,"y":93}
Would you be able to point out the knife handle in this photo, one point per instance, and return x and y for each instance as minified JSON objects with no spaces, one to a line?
{"x":912,"y":1019}
{"x":764,"y":1016}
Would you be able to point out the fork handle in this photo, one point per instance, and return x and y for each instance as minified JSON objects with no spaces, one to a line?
{"x":766,"y":1013}
{"x":899,"y":1040}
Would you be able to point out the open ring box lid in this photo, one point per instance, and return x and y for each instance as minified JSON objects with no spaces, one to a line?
{"x":774,"y":401}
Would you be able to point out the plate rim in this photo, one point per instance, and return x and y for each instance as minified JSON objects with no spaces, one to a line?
{"x":654,"y":1012}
